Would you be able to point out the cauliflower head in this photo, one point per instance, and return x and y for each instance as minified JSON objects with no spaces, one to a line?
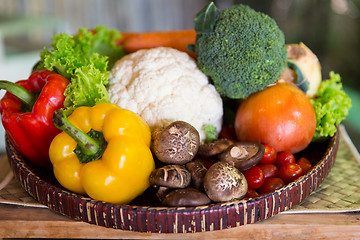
{"x":164,"y":85}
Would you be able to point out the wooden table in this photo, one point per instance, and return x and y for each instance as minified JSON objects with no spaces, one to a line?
{"x":30,"y":222}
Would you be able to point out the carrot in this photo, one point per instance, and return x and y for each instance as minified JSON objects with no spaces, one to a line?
{"x":133,"y":41}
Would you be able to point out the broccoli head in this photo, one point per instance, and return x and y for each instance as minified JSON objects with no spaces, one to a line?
{"x":242,"y":51}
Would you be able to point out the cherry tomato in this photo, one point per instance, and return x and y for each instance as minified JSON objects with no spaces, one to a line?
{"x":227,"y":131}
{"x":270,"y":185}
{"x":251,"y":193}
{"x":254,"y":177}
{"x":280,"y":115}
{"x":305,"y":164}
{"x":269,"y":155}
{"x":283,"y":158}
{"x":289,"y":172}
{"x":270,"y":170}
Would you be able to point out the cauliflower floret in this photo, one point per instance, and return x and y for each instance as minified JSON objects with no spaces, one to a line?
{"x":163,"y":85}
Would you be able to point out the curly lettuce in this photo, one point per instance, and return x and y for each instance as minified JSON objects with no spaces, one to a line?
{"x":331,"y":106}
{"x":85,"y":59}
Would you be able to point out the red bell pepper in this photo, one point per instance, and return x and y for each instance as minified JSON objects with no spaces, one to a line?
{"x":27,"y":112}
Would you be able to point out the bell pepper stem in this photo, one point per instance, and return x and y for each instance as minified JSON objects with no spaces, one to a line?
{"x":20,"y":92}
{"x":88,"y":145}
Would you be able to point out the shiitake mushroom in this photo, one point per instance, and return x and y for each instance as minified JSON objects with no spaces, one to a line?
{"x":198,"y":171}
{"x":178,"y":143}
{"x":171,"y":176}
{"x":162,"y":192}
{"x":190,"y":197}
{"x":214,"y":148}
{"x":243,"y":155}
{"x":224,"y":182}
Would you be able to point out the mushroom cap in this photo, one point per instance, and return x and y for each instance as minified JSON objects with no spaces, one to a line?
{"x":243,"y":155}
{"x":213,"y":148}
{"x":178,"y":143}
{"x":171,"y":176}
{"x":198,"y":171}
{"x":224,"y":182}
{"x":186,"y":197}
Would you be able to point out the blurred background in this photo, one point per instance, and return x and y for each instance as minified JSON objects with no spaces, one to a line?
{"x":331,"y":29}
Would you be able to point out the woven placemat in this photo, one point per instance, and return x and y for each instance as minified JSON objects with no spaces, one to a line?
{"x":11,"y":191}
{"x":340,"y":191}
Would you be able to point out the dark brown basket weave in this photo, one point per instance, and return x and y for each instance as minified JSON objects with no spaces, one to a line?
{"x":143,"y":215}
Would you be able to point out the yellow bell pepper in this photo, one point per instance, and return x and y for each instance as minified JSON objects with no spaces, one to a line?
{"x":112,"y":162}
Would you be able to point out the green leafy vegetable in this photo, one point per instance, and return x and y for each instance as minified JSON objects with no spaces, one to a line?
{"x":211,"y":133}
{"x":87,"y":88}
{"x":206,"y":19}
{"x":331,"y":106}
{"x":84,"y":59}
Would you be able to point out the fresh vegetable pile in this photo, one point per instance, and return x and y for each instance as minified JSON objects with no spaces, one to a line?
{"x":210,"y":114}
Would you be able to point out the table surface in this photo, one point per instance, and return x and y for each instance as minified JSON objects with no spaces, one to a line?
{"x":30,"y":222}
{"x":26,"y":221}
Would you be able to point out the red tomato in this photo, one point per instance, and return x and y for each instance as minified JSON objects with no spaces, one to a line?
{"x":280,"y":115}
{"x":305,"y":164}
{"x":251,"y":193}
{"x":269,"y":155}
{"x":269,"y":170}
{"x":227,"y":131}
{"x":283,"y":158}
{"x":290,"y":172}
{"x":254,"y":177}
{"x":270,"y":185}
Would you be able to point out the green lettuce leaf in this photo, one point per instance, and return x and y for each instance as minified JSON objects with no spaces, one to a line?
{"x":85,"y":59}
{"x":86,"y":89}
{"x":331,"y":106}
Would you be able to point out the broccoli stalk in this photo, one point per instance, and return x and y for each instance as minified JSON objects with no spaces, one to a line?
{"x":242,"y":51}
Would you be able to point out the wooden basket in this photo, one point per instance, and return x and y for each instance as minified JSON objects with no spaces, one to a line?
{"x":145,"y":214}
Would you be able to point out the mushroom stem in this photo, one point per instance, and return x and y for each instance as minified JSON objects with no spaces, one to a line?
{"x":243,"y":155}
{"x":238,"y":152}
